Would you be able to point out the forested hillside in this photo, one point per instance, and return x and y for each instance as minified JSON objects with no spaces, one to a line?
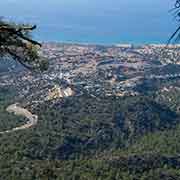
{"x":89,"y":138}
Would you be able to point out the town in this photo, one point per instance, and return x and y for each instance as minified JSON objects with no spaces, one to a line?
{"x":96,"y":70}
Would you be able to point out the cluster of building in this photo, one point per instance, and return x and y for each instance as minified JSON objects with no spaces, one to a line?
{"x":94,"y":69}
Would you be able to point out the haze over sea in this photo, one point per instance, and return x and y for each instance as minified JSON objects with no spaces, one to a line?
{"x":95,"y":21}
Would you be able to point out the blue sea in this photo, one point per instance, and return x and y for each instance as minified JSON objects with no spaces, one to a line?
{"x":95,"y":21}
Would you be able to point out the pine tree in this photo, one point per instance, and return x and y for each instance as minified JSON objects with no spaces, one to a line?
{"x":16,"y":43}
{"x":176,"y":12}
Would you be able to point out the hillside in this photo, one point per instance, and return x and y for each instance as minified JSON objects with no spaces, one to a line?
{"x":104,"y":113}
{"x":87,"y":137}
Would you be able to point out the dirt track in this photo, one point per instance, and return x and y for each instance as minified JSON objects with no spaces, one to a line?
{"x":32,"y":119}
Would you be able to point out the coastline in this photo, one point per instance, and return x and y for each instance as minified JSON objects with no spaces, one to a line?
{"x":121,"y":45}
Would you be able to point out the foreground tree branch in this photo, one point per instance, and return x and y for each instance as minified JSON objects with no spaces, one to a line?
{"x":176,"y":12}
{"x":16,"y":43}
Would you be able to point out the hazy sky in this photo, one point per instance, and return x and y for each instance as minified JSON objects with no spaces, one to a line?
{"x":102,"y":18}
{"x":124,"y":9}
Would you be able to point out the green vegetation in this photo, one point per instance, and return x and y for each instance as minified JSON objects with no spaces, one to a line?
{"x":84,"y":138}
{"x":16,"y":44}
{"x":169,"y":98}
{"x":87,"y":138}
{"x":8,"y":121}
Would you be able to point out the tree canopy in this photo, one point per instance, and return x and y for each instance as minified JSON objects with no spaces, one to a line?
{"x":16,"y":43}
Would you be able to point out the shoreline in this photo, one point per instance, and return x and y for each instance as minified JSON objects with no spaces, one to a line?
{"x":123,"y":45}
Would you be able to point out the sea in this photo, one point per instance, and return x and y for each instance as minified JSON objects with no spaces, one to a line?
{"x":95,"y":21}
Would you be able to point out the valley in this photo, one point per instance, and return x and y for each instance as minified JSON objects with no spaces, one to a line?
{"x":98,"y":112}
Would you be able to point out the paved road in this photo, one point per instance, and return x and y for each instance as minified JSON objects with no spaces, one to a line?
{"x":32,"y":119}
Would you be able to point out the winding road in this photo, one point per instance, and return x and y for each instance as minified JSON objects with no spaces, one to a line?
{"x":32,"y":119}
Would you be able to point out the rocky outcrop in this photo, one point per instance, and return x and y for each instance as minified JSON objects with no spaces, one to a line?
{"x":58,"y":92}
